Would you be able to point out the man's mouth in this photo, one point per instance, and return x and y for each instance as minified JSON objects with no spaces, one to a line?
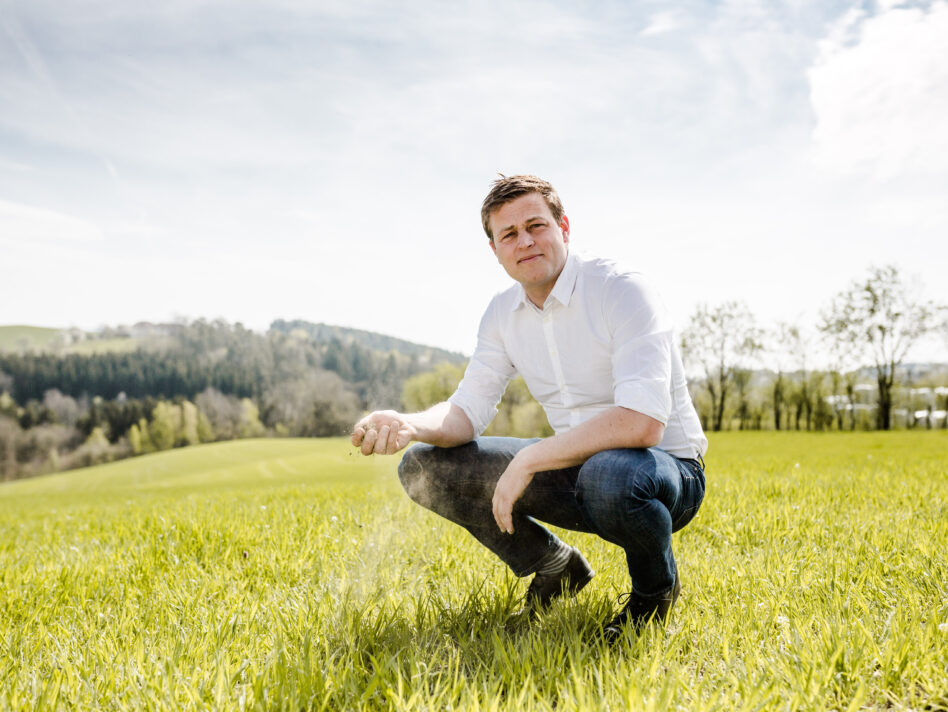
{"x":528,"y":259}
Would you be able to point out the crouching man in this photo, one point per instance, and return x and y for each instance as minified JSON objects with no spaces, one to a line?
{"x":597,"y":350}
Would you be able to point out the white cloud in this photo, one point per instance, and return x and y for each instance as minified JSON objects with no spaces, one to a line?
{"x":879,"y":91}
{"x":662,"y":22}
{"x":327,"y":160}
{"x":25,"y":224}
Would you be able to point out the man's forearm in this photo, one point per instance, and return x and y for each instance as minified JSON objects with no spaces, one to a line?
{"x":615,"y":428}
{"x":443,"y":425}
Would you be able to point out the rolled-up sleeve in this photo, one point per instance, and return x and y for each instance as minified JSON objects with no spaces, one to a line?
{"x":487,"y":375}
{"x":641,"y":348}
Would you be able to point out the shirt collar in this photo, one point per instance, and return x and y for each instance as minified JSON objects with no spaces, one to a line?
{"x":562,"y":290}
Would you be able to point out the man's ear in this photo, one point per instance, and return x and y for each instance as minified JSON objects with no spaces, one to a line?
{"x":493,"y":248}
{"x":564,"y":226}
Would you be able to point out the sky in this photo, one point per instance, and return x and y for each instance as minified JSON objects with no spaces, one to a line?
{"x":326,"y":160}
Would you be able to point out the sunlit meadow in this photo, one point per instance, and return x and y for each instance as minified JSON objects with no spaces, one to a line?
{"x":294,"y":574}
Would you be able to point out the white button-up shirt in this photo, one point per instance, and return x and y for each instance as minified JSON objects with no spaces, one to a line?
{"x":603,"y":338}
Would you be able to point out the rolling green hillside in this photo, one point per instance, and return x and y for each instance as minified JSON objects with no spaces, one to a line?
{"x":241,"y":465}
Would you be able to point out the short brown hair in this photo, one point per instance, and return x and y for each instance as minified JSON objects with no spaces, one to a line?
{"x":508,"y":188}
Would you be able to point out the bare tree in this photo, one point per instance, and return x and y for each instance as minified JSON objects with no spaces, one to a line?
{"x":783,"y":348}
{"x":223,"y":412}
{"x":65,"y":407}
{"x":943,"y":327}
{"x":742,"y":380}
{"x":879,"y":318}
{"x":843,"y":374}
{"x":721,"y":340}
{"x":797,"y":345}
{"x":317,"y":405}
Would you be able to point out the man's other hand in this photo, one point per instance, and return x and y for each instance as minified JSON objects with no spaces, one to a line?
{"x":383,"y":432}
{"x":509,"y":489}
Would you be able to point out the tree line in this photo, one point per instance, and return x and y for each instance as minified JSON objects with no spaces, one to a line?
{"x":767,"y":378}
{"x":228,"y":358}
{"x":207,"y":381}
{"x":202,"y":381}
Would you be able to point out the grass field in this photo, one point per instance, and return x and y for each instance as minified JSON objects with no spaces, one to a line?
{"x":293,"y":574}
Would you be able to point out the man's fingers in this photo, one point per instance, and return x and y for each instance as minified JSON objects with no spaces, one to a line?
{"x":368,"y":442}
{"x":381,"y":433}
{"x":381,"y":441}
{"x":393,"y":437}
{"x":503,"y":515}
{"x":507,"y":521}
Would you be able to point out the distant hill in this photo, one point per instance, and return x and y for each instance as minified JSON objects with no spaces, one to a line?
{"x":49,"y":340}
{"x":27,"y":338}
{"x":123,"y":339}
{"x":184,"y":359}
{"x":324,"y":333}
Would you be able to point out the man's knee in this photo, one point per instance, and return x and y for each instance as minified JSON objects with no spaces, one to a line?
{"x":414,"y":475}
{"x":613,"y":480}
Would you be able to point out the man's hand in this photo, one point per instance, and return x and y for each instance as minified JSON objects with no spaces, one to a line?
{"x":383,"y":432}
{"x":510,"y":488}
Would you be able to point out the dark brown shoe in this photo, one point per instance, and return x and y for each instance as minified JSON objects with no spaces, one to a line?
{"x":543,"y":590}
{"x":639,"y":611}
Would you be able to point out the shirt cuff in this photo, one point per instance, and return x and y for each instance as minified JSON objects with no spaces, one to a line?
{"x":479,"y":423}
{"x":650,"y":398}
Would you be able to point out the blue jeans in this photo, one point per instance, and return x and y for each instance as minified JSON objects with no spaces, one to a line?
{"x":634,"y":498}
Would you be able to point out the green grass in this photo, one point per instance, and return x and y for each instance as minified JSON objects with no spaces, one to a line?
{"x":291,"y":574}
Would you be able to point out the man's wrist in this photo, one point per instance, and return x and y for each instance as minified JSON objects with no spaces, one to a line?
{"x":526,"y":459}
{"x":409,"y":423}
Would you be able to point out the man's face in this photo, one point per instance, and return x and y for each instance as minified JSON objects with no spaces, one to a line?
{"x":529,"y":244}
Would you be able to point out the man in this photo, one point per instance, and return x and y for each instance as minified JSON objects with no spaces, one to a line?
{"x":596,"y":349}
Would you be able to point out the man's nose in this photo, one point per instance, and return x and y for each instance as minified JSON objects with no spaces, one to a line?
{"x":525,"y":239}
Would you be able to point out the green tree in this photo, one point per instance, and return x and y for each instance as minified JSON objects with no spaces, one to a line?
{"x":250,"y":425}
{"x":205,"y":431}
{"x":135,"y":440}
{"x":424,"y":390}
{"x":95,"y":449}
{"x":9,"y":434}
{"x":519,"y":415}
{"x":164,"y":426}
{"x":188,"y":419}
